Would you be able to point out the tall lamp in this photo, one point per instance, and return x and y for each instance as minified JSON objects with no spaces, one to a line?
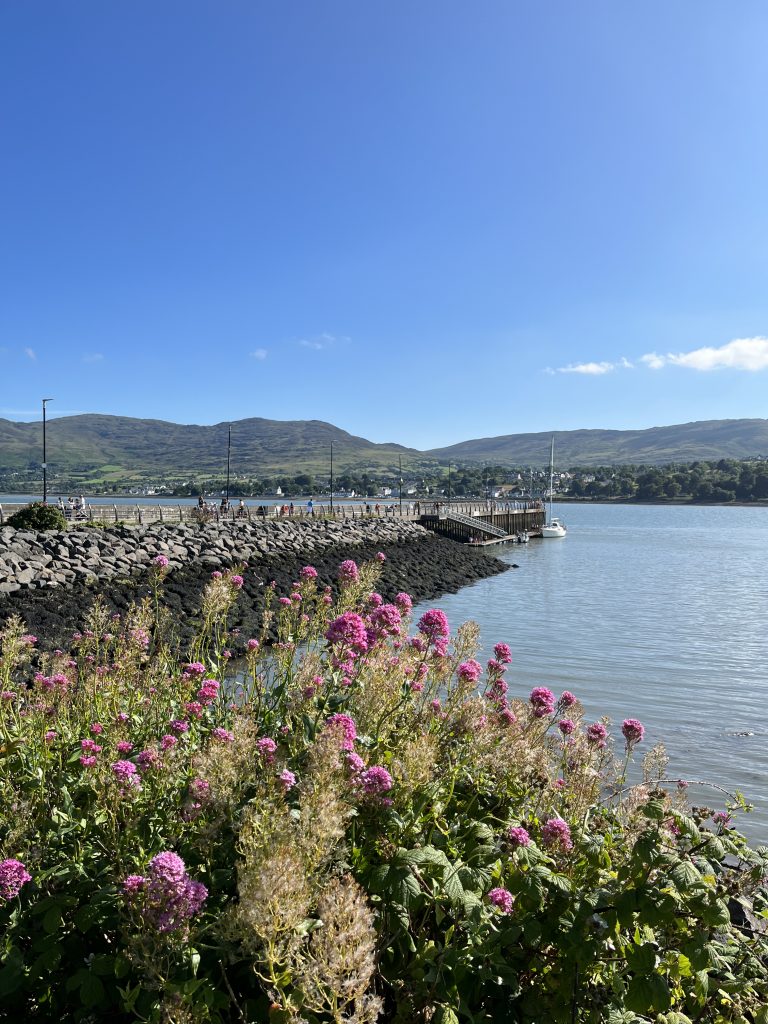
{"x":45,"y":461}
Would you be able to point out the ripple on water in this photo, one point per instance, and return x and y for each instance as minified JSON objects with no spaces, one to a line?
{"x":657,"y":613}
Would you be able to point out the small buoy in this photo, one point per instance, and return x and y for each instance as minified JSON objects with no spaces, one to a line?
{"x":515,"y":565}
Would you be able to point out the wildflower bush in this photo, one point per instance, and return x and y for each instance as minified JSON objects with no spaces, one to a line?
{"x":38,"y":516}
{"x":360,"y":824}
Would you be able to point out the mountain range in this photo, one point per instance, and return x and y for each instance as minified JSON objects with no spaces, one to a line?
{"x":123,"y":446}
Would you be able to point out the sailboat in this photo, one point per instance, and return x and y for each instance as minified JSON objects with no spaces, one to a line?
{"x":553,"y":528}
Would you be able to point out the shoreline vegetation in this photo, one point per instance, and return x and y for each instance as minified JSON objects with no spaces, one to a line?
{"x":370,"y":827}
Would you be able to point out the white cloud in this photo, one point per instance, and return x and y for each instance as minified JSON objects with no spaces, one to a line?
{"x":323,"y":341}
{"x":590,"y":369}
{"x":30,"y":354}
{"x":93,"y":357}
{"x":653,"y":360}
{"x":259,"y":353}
{"x":750,"y":354}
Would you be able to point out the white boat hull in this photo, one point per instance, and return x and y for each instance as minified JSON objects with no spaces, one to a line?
{"x":554,"y":528}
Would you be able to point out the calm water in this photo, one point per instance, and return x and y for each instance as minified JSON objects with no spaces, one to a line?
{"x":656,"y":613}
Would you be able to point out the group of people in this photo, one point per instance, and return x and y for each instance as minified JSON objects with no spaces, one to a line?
{"x":73,"y":508}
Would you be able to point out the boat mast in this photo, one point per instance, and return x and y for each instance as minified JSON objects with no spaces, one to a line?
{"x":551,"y":475}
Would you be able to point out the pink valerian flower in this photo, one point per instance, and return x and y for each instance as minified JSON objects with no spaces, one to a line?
{"x":507,"y":716}
{"x":404,"y":602}
{"x":386,"y":620}
{"x":88,"y":762}
{"x":376,"y":780}
{"x":222,"y":735}
{"x":267,"y":748}
{"x":178,"y":725}
{"x":374,"y":600}
{"x":168,"y":896}
{"x":469,"y":671}
{"x":556,"y":833}
{"x":97,"y":728}
{"x":309,"y":572}
{"x":168,"y":742}
{"x":148,"y":758}
{"x":518,"y":836}
{"x":380,"y":556}
{"x":434,"y":625}
{"x":542,"y":701}
{"x":503,"y":653}
{"x":348,"y":571}
{"x":194,"y":709}
{"x":50,"y":736}
{"x":91,"y":746}
{"x":287,"y":779}
{"x":236,"y":582}
{"x":567,"y":700}
{"x":633,"y":731}
{"x":440,"y":647}
{"x":29,"y":641}
{"x":722,"y":818}
{"x":503,"y":899}
{"x":209,"y":691}
{"x":124,"y":747}
{"x":160,"y":561}
{"x":345,"y":728}
{"x":566,"y":726}
{"x":13,"y":875}
{"x":121,"y":717}
{"x":285,"y":602}
{"x":495,"y":668}
{"x":559,"y":784}
{"x":597,"y":734}
{"x":140,"y":637}
{"x":252,"y":645}
{"x":215,"y":575}
{"x":200,"y":790}
{"x":348,"y":628}
{"x":127,"y":775}
{"x":195,"y":668}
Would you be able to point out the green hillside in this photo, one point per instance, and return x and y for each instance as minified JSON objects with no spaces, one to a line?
{"x":684,"y":442}
{"x":96,"y":447}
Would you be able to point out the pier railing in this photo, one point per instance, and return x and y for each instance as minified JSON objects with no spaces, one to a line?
{"x":139,"y":514}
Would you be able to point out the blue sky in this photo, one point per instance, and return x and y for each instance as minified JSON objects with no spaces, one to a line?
{"x":422,"y":221}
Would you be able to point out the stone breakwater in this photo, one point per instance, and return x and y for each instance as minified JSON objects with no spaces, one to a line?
{"x":50,"y":579}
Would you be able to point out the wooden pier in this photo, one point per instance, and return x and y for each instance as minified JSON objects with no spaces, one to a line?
{"x":483,"y":523}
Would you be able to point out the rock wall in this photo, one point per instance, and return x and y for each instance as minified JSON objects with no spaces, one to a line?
{"x":51,"y":579}
{"x":51,"y":559}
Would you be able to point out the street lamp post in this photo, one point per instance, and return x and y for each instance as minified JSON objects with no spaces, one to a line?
{"x":449,"y":483}
{"x":229,"y":453}
{"x":331,"y":477}
{"x":400,"y":464}
{"x":45,"y":459}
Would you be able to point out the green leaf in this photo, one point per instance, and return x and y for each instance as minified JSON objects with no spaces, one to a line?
{"x":648,"y":993}
{"x":685,"y":875}
{"x":642,"y":959}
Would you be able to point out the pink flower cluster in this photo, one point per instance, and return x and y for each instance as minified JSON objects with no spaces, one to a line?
{"x":127,"y":775}
{"x":209,"y":691}
{"x":597,"y":734}
{"x":348,"y":629}
{"x":542,"y":701}
{"x":13,"y":875}
{"x":503,"y":899}
{"x":518,"y":836}
{"x":170,"y":896}
{"x":348,"y":571}
{"x":633,"y":731}
{"x":503,"y":653}
{"x":557,"y":833}
{"x":469,"y":671}
{"x":434,"y":625}
{"x":345,"y":728}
